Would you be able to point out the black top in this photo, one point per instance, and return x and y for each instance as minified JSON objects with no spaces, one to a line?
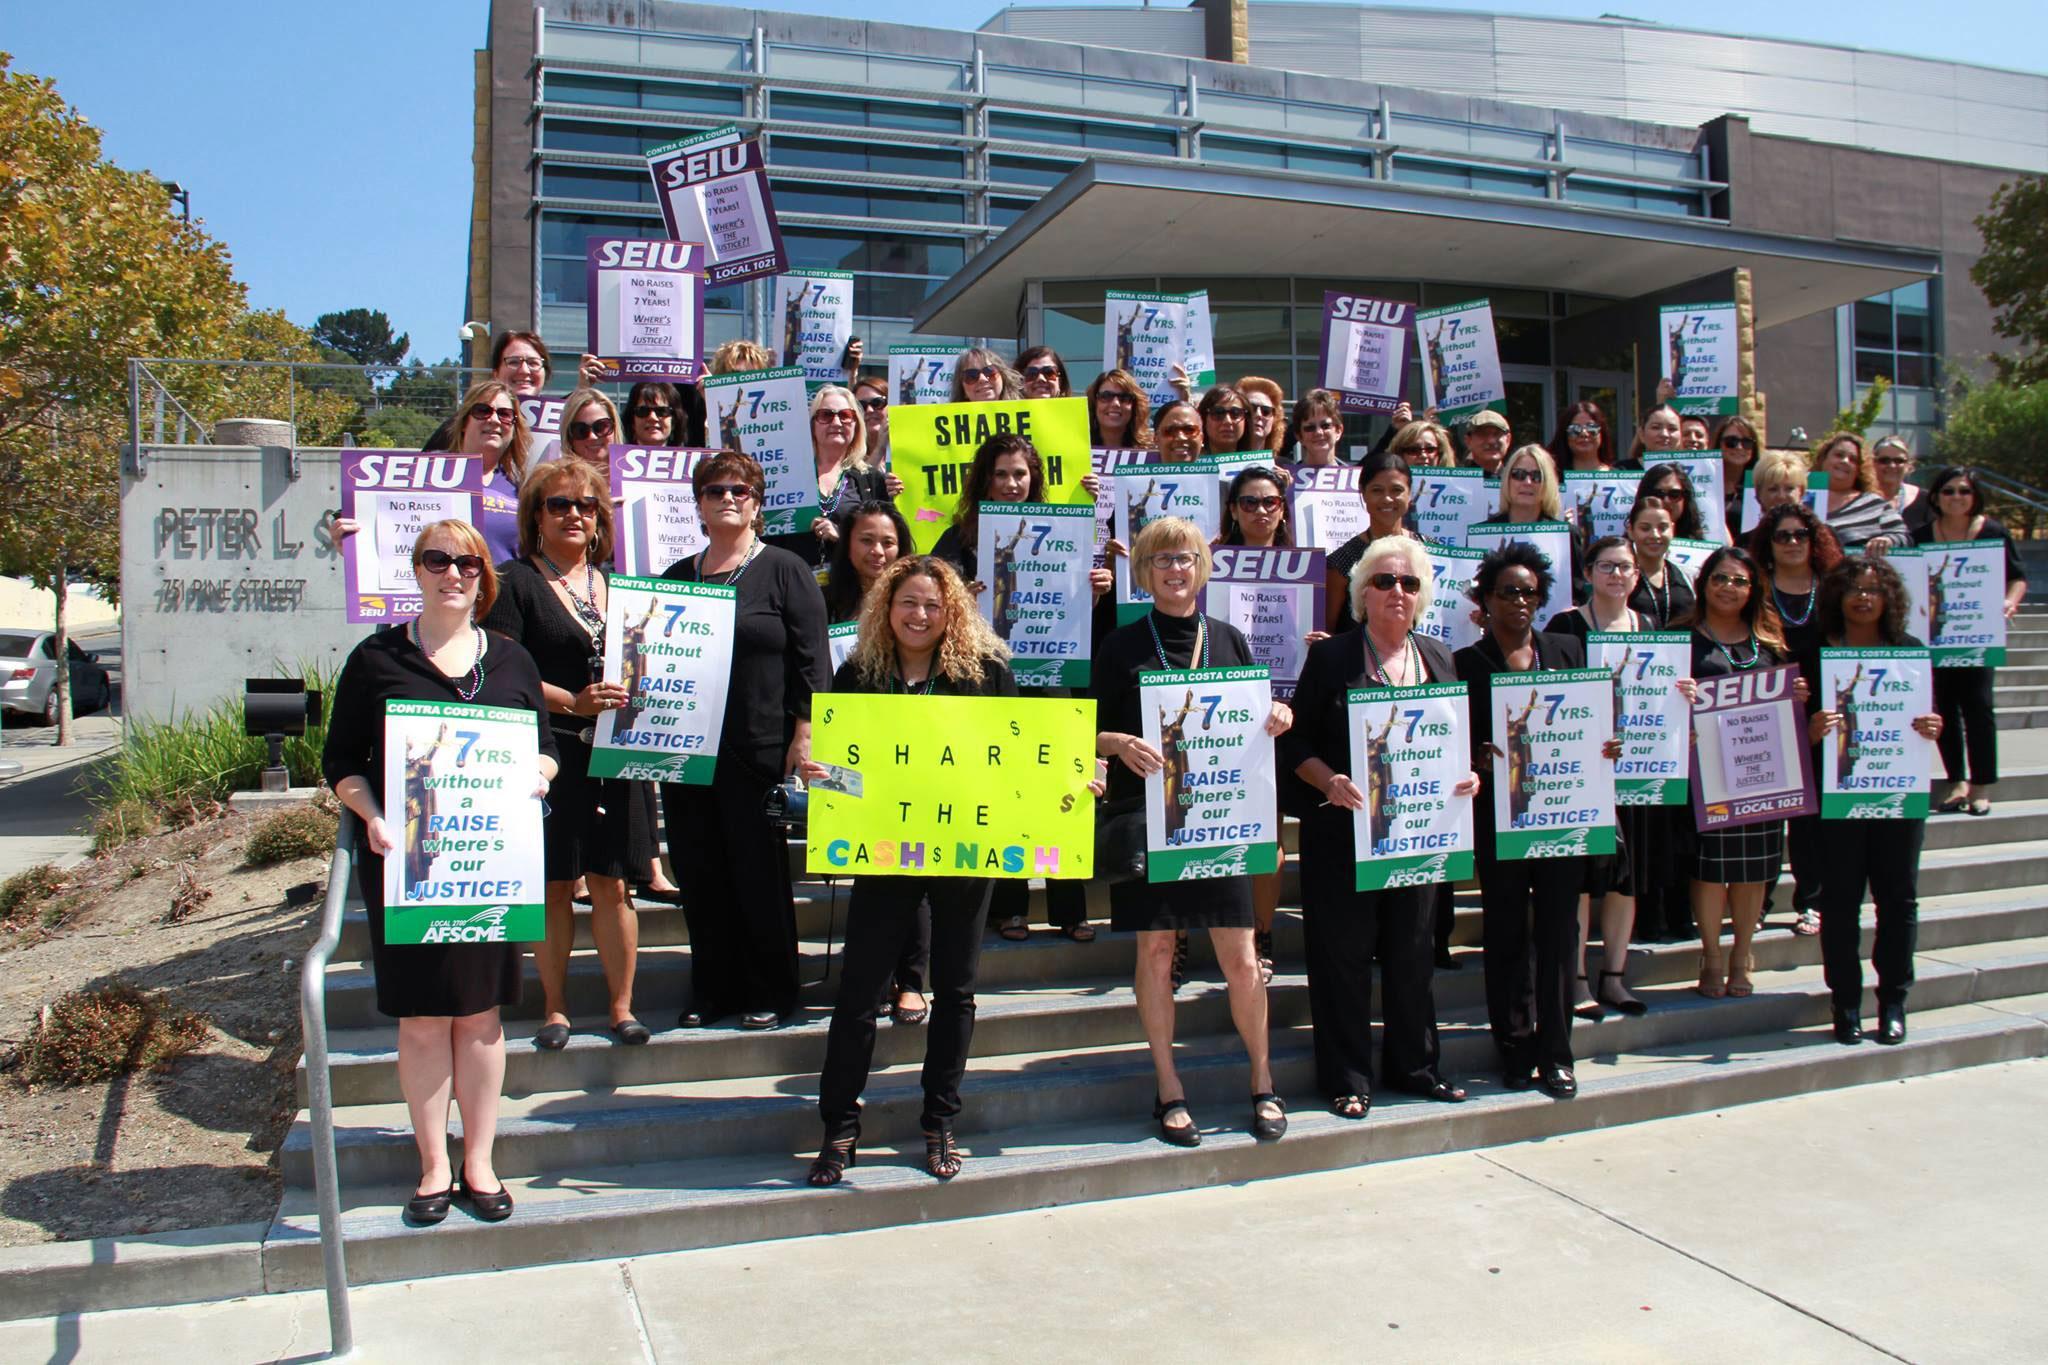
{"x":387,"y":666}
{"x":528,"y":612}
{"x":1802,"y":623}
{"x":1662,"y":606}
{"x":1477,"y":663}
{"x":856,"y":486}
{"x":995,"y":681}
{"x":1322,"y":725}
{"x":1575,"y":624}
{"x":1711,"y":659}
{"x":1127,"y":651}
{"x":1992,"y":529}
{"x":779,"y":655}
{"x":954,"y":547}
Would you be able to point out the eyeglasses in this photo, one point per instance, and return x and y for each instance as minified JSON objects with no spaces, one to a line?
{"x":1322,"y":426}
{"x":1614,"y":568}
{"x":583,"y":431}
{"x":1791,"y":535}
{"x":522,"y":362}
{"x":1737,"y":443}
{"x":440,"y":561}
{"x":1670,"y":494}
{"x":1227,"y":414}
{"x":1583,"y":429}
{"x":1041,"y":372}
{"x":835,"y":415}
{"x":486,"y":412}
{"x":1526,"y":475}
{"x":1957,"y":490}
{"x":650,"y":410}
{"x":1253,"y":502}
{"x":1893,"y":461}
{"x":1512,"y":594}
{"x":560,"y":506}
{"x":1127,"y":400}
{"x":875,"y":404}
{"x":974,"y":374}
{"x":1174,"y":559}
{"x":1729,"y":580}
{"x":719,"y":492}
{"x":1387,"y":582}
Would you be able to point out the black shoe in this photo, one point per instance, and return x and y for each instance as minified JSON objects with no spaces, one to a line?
{"x":1518,"y":1078}
{"x":1263,"y":1128}
{"x":760,"y":1019}
{"x":1180,"y":1135}
{"x":1351,"y":1106}
{"x":425,"y":1210}
{"x":631,"y":1032}
{"x":1446,"y":963}
{"x":829,"y":1166}
{"x":494,"y":1207}
{"x":552,"y":1037}
{"x":1558,"y":1081}
{"x":1848,"y":1028}
{"x":699,"y":1018}
{"x":1891,"y":1024}
{"x":941,"y":1153}
{"x":1440,"y":1090}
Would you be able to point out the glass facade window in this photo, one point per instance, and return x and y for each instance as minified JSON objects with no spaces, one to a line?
{"x":1018,"y":170}
{"x":564,"y":256}
{"x":1451,"y":175}
{"x":1635,"y":198}
{"x":586,"y":182}
{"x":1105,"y":137}
{"x":1003,"y":212}
{"x":859,"y":201}
{"x":877,"y":158}
{"x":1313,"y":160}
{"x":803,"y":107}
{"x":1894,"y":337}
{"x":569,"y":135}
{"x":889,"y":253}
{"x":563,"y":87}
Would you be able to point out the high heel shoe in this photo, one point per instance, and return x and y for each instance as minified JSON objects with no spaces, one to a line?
{"x":941,"y":1156}
{"x":832,"y":1160}
{"x":494,"y":1207}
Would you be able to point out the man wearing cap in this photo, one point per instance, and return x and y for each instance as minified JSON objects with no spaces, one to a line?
{"x":1487,"y":441}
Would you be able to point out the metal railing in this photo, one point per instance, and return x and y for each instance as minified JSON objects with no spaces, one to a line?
{"x":341,"y":1335}
{"x":324,"y":403}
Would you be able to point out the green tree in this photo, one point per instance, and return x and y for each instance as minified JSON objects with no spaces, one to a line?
{"x":1999,"y":426}
{"x":1859,"y":416}
{"x":2013,"y":273}
{"x":363,"y":335}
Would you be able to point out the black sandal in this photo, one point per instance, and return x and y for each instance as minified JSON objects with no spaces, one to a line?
{"x":941,"y":1156}
{"x":1625,"y":1002}
{"x":1263,"y":1128}
{"x":832,"y":1160}
{"x":1177,"y":1134}
{"x":1180,"y":960}
{"x":1351,"y":1106}
{"x":1084,"y":932}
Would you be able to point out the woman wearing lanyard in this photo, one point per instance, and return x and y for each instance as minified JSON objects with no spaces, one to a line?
{"x":1529,"y":906}
{"x":839,"y":446}
{"x":732,"y":861}
{"x":446,"y":997}
{"x":1385,"y":487}
{"x":552,"y":602}
{"x":1962,"y":696}
{"x":1007,"y":469}
{"x":1119,"y":415}
{"x":1662,"y":594}
{"x":1171,"y":561}
{"x":1343,"y":928}
{"x":1735,"y":629}
{"x":1863,"y":606}
{"x":921,"y":635}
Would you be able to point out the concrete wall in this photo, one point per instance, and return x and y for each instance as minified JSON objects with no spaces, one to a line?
{"x":510,"y":261}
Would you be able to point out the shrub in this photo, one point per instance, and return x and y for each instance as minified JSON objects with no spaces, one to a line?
{"x":301,"y":832}
{"x":22,"y":892}
{"x":96,"y":1035}
{"x":122,"y":822}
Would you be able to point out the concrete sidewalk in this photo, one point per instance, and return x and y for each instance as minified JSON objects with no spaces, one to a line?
{"x":1882,"y":1222}
{"x":44,"y":817}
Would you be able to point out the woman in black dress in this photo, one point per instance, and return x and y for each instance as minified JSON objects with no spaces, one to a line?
{"x":921,"y":636}
{"x":1529,"y":906}
{"x":1734,"y":630}
{"x":446,"y":997}
{"x":552,"y":601}
{"x":1343,"y":928}
{"x":732,"y":862}
{"x":1386,"y":488}
{"x":1170,"y":560}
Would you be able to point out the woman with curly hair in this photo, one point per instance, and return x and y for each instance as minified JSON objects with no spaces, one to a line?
{"x":1862,"y":519}
{"x":919,"y":635}
{"x":1265,"y":423}
{"x":1119,"y":414}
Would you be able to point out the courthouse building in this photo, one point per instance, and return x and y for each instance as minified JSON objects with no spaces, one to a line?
{"x":993,"y":183}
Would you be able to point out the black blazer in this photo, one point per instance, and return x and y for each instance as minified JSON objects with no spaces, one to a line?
{"x":1322,"y":727}
{"x":1478,"y":663}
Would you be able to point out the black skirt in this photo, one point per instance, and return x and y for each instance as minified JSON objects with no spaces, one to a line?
{"x":1218,"y":903}
{"x":590,"y":820}
{"x":434,"y":979}
{"x":1746,"y":853}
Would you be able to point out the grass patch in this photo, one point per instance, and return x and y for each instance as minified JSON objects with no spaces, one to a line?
{"x":301,"y":832}
{"x":91,"y":1036}
{"x":25,"y":890}
{"x":123,"y":822}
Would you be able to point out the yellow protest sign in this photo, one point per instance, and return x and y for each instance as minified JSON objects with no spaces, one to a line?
{"x":952,"y":786}
{"x":931,"y":446}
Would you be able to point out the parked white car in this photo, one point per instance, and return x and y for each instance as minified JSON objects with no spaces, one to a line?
{"x":28,"y":676}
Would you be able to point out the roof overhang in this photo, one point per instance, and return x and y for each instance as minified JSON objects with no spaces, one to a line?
{"x":1113,"y":220}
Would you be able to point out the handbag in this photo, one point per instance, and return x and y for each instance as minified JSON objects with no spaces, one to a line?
{"x":1120,"y":840}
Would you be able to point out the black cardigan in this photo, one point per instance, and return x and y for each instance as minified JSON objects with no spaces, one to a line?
{"x":1322,"y":725}
{"x":1477,"y":664}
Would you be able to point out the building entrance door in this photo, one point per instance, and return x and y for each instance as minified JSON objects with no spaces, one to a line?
{"x":1532,"y":404}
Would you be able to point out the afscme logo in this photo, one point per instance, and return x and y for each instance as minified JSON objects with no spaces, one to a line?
{"x":1225,"y":862}
{"x":1565,"y":846}
{"x":1431,"y":869}
{"x":1878,"y":808}
{"x":485,"y":926}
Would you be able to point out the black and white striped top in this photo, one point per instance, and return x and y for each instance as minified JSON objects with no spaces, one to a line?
{"x":1865,"y":517}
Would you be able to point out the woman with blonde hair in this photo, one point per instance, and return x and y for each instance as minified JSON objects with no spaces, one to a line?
{"x":1779,"y":477}
{"x":839,"y":449}
{"x":590,"y":424}
{"x":982,"y":376}
{"x":1423,"y":443}
{"x":920,"y":635}
{"x":1265,"y":423}
{"x":739,"y":356}
{"x":1528,"y":488}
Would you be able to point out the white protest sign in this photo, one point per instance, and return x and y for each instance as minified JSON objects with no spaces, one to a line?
{"x":654,"y":507}
{"x":1650,"y":712}
{"x":645,"y":315}
{"x":1966,"y":602}
{"x":670,"y":645}
{"x":1875,"y":765}
{"x":920,"y":373}
{"x":1146,"y":335}
{"x":1461,"y":360}
{"x":1212,"y":809}
{"x":1553,"y":790}
{"x":713,"y":189}
{"x":764,"y":414}
{"x":1035,"y":594}
{"x":1273,"y":595}
{"x":395,"y":495}
{"x":816,"y":312}
{"x":1698,"y":357}
{"x":1408,"y":750}
{"x":1553,"y":539}
{"x":1147,"y":492}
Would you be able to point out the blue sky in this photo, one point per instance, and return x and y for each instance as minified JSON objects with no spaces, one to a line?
{"x":329,"y":144}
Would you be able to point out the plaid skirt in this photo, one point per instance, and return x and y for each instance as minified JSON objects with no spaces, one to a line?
{"x":1746,"y":853}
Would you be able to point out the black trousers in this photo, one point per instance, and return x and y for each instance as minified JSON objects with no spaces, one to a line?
{"x":1342,"y":929}
{"x":883,"y":915}
{"x":1066,"y":902}
{"x":1529,"y":925}
{"x":1445,"y":913}
{"x":1803,"y":839}
{"x":1962,"y":697}
{"x":733,"y":868}
{"x":1885,"y":856}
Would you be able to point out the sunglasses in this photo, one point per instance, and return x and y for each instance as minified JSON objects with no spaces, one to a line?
{"x":1320,"y":427}
{"x":1583,"y":429}
{"x":1252,"y":502}
{"x":1863,"y":590}
{"x":484,"y":412}
{"x":650,"y":410}
{"x":1670,"y":494}
{"x":719,"y":492}
{"x":1791,"y":535}
{"x":1387,"y":582}
{"x":1737,"y":443}
{"x":974,"y":374}
{"x":1507,"y":594}
{"x":1429,"y":449}
{"x":1729,"y":580}
{"x":1526,"y":475}
{"x":875,"y":404}
{"x":1893,"y":461}
{"x":583,"y":431}
{"x":1227,"y":414}
{"x":1041,"y":372}
{"x":1126,"y":400}
{"x":561,"y":506}
{"x":440,"y":561}
{"x":1262,"y":409}
{"x":1957,"y":490}
{"x":835,"y":415}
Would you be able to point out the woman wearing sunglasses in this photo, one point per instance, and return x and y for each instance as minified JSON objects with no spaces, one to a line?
{"x":552,"y":602}
{"x":1529,"y":492}
{"x":732,"y":861}
{"x":665,"y":415}
{"x":1225,"y":420}
{"x":1424,"y":443}
{"x":489,"y":428}
{"x":1265,"y":419}
{"x":1345,"y":929}
{"x":1042,"y":374}
{"x":1963,"y":695}
{"x":1734,"y":629}
{"x":1740,"y":444}
{"x":839,"y":450}
{"x":1891,"y":459}
{"x":1670,"y":485}
{"x":447,"y":998}
{"x":1317,"y":426}
{"x":1119,"y":415}
{"x":1862,"y":520}
{"x":871,"y":392}
{"x":1170,"y":560}
{"x":1584,"y":441}
{"x":1529,"y":922}
{"x":590,"y":424}
{"x":980,"y":376}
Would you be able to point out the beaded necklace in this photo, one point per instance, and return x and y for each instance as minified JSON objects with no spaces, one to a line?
{"x":476,"y":670}
{"x":1812,"y":595}
{"x":1756,"y":652}
{"x":753,"y":553}
{"x":586,"y":607}
{"x":1198,"y":658}
{"x":1411,"y":660}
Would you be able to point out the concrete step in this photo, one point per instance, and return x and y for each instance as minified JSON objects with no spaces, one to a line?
{"x":2007,"y":696}
{"x":572,"y":1130}
{"x":2009,"y":821}
{"x":2019,"y":719}
{"x":1061,"y":1014}
{"x":1998,"y":867}
{"x":671,"y":1204}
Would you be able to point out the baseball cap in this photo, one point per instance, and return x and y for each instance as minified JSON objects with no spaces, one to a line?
{"x":1487,"y":417}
